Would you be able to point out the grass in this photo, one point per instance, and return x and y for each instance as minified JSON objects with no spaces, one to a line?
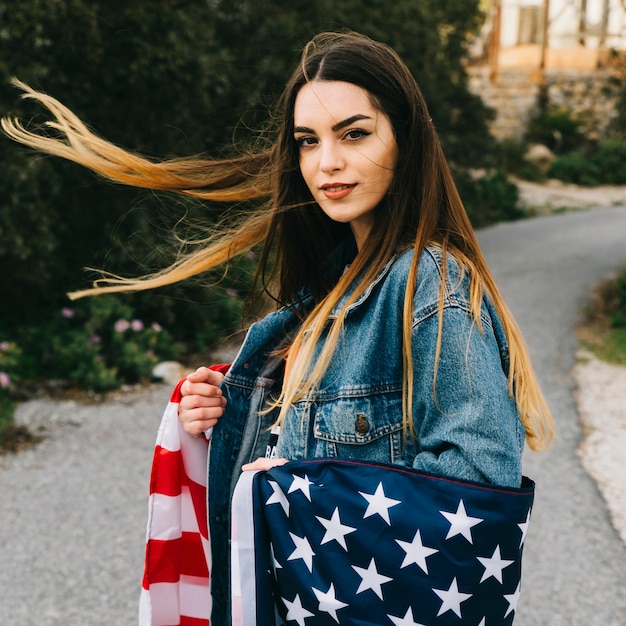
{"x":598,"y":332}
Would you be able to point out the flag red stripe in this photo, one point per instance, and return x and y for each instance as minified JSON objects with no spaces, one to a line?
{"x":167,"y":472}
{"x":198,"y":498}
{"x":167,"y":560}
{"x":193,"y":621}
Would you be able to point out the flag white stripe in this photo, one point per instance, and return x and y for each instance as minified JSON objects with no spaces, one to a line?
{"x":242,"y":550}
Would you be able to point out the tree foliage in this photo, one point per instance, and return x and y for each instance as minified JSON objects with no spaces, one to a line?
{"x":178,"y":77}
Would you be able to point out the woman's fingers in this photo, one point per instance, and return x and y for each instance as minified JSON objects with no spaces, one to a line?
{"x":206,"y":375}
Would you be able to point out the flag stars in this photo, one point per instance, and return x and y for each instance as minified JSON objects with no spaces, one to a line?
{"x":303,"y":551}
{"x":513,"y":599}
{"x":278,"y":497}
{"x":524,"y":528}
{"x":378,"y":503}
{"x":328,"y":602}
{"x":335,"y":530}
{"x":451,"y":599}
{"x":301,"y":484}
{"x":407,"y":620}
{"x":494,"y":565}
{"x":371,"y":579}
{"x":461,"y":523}
{"x":416,"y":552}
{"x":295,"y":611}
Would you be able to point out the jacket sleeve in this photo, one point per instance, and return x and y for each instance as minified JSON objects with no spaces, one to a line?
{"x":466,"y":424}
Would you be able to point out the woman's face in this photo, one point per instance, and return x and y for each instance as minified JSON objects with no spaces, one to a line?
{"x":348,"y":151}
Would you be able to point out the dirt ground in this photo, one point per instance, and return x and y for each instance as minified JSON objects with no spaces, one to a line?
{"x":601,"y":387}
{"x":557,"y":196}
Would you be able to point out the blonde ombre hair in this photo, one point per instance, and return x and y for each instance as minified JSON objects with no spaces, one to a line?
{"x":422,"y":207}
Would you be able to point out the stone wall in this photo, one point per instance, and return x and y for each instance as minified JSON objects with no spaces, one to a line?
{"x":590,"y":96}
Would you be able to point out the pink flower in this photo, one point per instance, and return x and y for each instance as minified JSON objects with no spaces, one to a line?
{"x":67,"y":313}
{"x":5,"y":380}
{"x":96,"y":339}
{"x":121,"y":326}
{"x":4,"y":345}
{"x":156,"y":327}
{"x":136,"y":325}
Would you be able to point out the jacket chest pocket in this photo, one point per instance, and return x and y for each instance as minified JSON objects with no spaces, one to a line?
{"x":364,"y":428}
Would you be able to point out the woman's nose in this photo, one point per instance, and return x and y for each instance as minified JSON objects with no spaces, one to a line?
{"x":331,"y":159}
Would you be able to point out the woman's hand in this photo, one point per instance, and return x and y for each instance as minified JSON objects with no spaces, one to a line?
{"x":263,"y":464}
{"x":202,"y":403}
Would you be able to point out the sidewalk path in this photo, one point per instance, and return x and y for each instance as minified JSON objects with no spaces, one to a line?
{"x":73,"y":509}
{"x":575,"y":561}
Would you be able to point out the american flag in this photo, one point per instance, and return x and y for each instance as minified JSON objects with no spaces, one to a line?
{"x":175,"y":587}
{"x":327,"y":542}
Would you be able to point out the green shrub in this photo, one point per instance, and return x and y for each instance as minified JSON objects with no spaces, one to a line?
{"x":618,"y":313}
{"x":576,"y":168}
{"x":9,"y":365}
{"x":601,"y":164}
{"x":610,"y":159}
{"x":98,"y":343}
{"x":490,"y":199}
{"x":557,"y":128}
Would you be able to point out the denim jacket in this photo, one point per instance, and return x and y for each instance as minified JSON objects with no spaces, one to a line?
{"x":465,"y":423}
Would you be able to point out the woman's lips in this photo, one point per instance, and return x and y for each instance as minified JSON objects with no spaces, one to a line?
{"x":336,"y":191}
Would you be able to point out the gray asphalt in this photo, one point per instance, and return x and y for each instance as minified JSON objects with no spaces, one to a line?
{"x":574,"y":561}
{"x":73,"y":509}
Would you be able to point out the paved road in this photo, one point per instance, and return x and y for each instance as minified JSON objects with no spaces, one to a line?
{"x":575,"y":563}
{"x":72,"y":510}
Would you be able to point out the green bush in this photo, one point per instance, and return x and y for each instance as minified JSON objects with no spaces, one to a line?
{"x":557,"y":128}
{"x":575,"y":168}
{"x":10,"y":354}
{"x":489,"y":199}
{"x":610,"y":159}
{"x":600,"y":164}
{"x":618,"y":313}
{"x":98,"y":344}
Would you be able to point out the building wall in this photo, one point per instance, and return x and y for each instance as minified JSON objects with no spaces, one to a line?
{"x":590,"y":95}
{"x":522,"y":23}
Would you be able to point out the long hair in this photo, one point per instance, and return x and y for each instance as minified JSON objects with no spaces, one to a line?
{"x":421,"y":207}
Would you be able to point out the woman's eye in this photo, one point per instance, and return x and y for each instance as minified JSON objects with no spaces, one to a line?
{"x":305,"y":142}
{"x":356,"y":133}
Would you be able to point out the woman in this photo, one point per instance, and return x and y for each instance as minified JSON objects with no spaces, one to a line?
{"x":391,"y":341}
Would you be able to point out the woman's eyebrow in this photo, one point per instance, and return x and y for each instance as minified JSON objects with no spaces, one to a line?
{"x":350,"y":120}
{"x":336,"y":127}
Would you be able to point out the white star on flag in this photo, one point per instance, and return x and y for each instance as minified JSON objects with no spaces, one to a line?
{"x":275,"y":563}
{"x":524,"y":528}
{"x":461,"y":523}
{"x":371,"y":579}
{"x":278,"y":497}
{"x":483,"y":622}
{"x":335,"y":530}
{"x":301,"y":484}
{"x":328,"y":602}
{"x":416,"y":552}
{"x":303,"y":551}
{"x":379,"y":503}
{"x":407,"y":620}
{"x":451,"y":599}
{"x":494,"y":565}
{"x":513,"y":599}
{"x":295,"y":611}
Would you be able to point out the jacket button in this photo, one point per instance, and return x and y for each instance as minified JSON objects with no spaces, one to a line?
{"x":361,"y":425}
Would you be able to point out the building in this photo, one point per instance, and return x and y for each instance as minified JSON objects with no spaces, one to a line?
{"x":573,"y":50}
{"x":557,"y":34}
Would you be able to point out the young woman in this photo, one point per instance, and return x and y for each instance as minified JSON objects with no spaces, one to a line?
{"x":390,"y":341}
